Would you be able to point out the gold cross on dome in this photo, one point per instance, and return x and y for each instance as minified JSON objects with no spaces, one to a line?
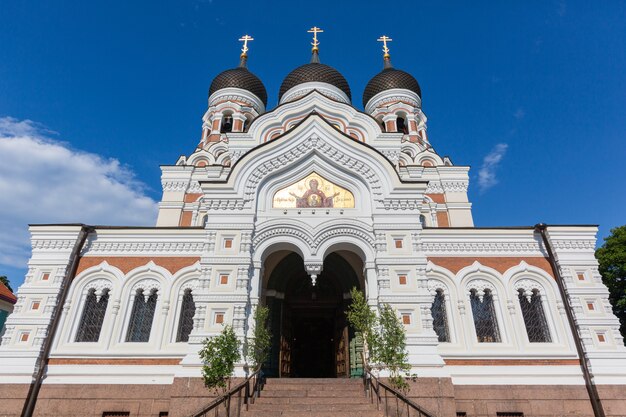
{"x":315,"y":30}
{"x":384,"y":39}
{"x":245,"y":39}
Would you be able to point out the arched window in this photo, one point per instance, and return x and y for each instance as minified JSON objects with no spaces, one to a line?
{"x":534,"y":317}
{"x":142,"y":316}
{"x":227,"y":124}
{"x":485,"y":320}
{"x":440,"y":318}
{"x":423,"y":220}
{"x":185,"y":322}
{"x":93,"y":316}
{"x":402,"y":125}
{"x":246,"y":123}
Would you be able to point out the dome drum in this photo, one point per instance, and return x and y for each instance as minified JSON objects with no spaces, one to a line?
{"x":326,"y":89}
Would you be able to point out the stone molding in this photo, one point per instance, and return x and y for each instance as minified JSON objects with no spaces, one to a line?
{"x":134,"y":248}
{"x":460,"y":248}
{"x":312,"y":143}
{"x":439,"y":187}
{"x":52,"y":244}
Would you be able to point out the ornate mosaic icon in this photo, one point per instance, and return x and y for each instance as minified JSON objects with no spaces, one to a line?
{"x":314,"y":191}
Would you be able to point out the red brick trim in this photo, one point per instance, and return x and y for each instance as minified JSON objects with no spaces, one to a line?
{"x":501,"y":264}
{"x":437,"y":198}
{"x":442,"y":219}
{"x":128,"y":263}
{"x":192,"y":197}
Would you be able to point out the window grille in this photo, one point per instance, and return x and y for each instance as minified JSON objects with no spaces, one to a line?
{"x":510,"y":414}
{"x":534,"y":317}
{"x":440,"y":319}
{"x":485,"y":320}
{"x":461,"y":414}
{"x":116,"y":413}
{"x":164,"y":414}
{"x":185,"y":323}
{"x":93,"y":317}
{"x":141,"y":317}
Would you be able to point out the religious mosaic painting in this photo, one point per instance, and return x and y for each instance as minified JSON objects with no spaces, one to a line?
{"x":312,"y":192}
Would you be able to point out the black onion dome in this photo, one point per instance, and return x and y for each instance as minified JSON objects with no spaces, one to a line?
{"x":240,"y":78}
{"x":388,"y":79}
{"x":314,"y":72}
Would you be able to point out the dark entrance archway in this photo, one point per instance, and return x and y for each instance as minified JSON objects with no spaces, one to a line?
{"x":311,"y":337}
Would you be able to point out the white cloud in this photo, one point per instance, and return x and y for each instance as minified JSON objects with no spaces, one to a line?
{"x":487,"y":173}
{"x":42,"y":180}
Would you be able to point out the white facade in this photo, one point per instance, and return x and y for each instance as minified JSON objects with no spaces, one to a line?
{"x":411,"y":218}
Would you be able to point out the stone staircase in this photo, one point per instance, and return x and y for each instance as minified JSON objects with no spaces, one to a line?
{"x":308,"y":397}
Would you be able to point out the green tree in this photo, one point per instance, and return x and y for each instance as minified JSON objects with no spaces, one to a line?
{"x":5,"y":281}
{"x":219,"y":354}
{"x":363,"y":320}
{"x":384,"y":335}
{"x":612,"y":259}
{"x":259,"y":346}
{"x":391,"y":346}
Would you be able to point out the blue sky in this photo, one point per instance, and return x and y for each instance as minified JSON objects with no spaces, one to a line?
{"x":529,"y":94}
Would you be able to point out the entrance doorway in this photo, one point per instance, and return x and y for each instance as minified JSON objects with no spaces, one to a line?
{"x":311,"y":336}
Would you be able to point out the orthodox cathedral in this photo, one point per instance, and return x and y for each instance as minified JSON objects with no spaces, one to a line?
{"x":291,"y":208}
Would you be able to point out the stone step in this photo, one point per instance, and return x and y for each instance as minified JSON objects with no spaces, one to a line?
{"x":357,"y":399}
{"x":252,"y":413}
{"x":322,"y":407}
{"x":310,"y":381}
{"x":314,"y":387}
{"x":293,"y":393}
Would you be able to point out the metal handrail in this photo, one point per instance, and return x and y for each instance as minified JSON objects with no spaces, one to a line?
{"x":373,"y":387}
{"x":250,"y":393}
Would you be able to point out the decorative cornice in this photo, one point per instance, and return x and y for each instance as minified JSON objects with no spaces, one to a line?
{"x":437,"y":187}
{"x":133,"y":248}
{"x":578,"y":245}
{"x":174,"y":186}
{"x":489,"y":248}
{"x":223,"y":204}
{"x":399,"y":203}
{"x":53,"y":244}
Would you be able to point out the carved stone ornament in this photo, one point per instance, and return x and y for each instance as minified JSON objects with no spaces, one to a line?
{"x":480,"y":285}
{"x":435,"y":284}
{"x":313,"y":269}
{"x":148,"y":286}
{"x":528,"y":286}
{"x":99,"y":285}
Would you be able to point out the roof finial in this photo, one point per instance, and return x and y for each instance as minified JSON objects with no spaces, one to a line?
{"x":386,"y":57}
{"x":244,"y":51}
{"x":315,"y":59}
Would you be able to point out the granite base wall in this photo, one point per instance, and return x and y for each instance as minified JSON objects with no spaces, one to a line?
{"x":532,"y":400}
{"x":436,"y":395}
